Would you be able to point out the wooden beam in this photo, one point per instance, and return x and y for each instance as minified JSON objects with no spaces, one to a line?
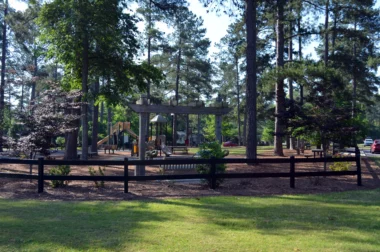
{"x":167,"y":109}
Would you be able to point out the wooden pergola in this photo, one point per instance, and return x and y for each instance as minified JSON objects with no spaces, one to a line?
{"x":144,"y":108}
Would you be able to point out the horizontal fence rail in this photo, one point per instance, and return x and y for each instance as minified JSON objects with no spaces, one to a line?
{"x":212,"y":176}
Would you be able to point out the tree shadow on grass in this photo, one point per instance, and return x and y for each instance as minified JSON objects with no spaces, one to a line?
{"x":348,"y":218}
{"x":73,"y":225}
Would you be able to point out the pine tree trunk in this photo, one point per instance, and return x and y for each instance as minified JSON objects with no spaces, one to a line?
{"x":177,"y":93}
{"x":251,"y":147}
{"x":326,"y":52}
{"x":245,"y":127}
{"x":95,"y":118}
{"x":109,"y":124}
{"x":291,"y":97}
{"x":71,"y":139}
{"x":85,"y":66}
{"x":174,"y":130}
{"x":280,"y":93}
{"x":149,"y":60}
{"x":199,"y":130}
{"x":71,"y":145}
{"x":2,"y":82}
{"x":22,"y":97}
{"x":102,"y":112}
{"x":187,"y":127}
{"x":102,"y":107}
{"x":354,"y":81}
{"x":33,"y":91}
{"x":238,"y":99}
{"x":334,"y":29}
{"x":300,"y":52}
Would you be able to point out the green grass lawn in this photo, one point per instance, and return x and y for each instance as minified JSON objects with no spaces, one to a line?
{"x":376,"y":160}
{"x":239,"y":150}
{"x":348,"y":221}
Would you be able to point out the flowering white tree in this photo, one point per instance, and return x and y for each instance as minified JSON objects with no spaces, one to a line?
{"x":51,"y":115}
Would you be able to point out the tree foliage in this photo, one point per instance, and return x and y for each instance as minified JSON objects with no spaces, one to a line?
{"x":48,"y":120}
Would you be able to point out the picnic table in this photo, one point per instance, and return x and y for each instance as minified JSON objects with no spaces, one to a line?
{"x":316,"y":151}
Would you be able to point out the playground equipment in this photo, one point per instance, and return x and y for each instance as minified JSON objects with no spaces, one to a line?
{"x":143,"y":107}
{"x":181,"y":137}
{"x":159,"y":137}
{"x":117,"y":128}
{"x":166,"y":150}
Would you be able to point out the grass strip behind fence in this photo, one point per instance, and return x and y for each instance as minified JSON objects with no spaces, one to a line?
{"x":376,"y":160}
{"x":238,"y":150}
{"x":348,"y":221}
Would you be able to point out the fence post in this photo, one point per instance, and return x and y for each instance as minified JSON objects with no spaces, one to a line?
{"x":358,"y":167}
{"x":125,"y":175}
{"x":292,"y":172}
{"x":40,"y":175}
{"x":212,"y":173}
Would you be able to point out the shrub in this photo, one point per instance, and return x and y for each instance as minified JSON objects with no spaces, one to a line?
{"x":60,"y":142}
{"x":340,"y":166}
{"x":208,"y":151}
{"x":93,"y":173}
{"x":60,"y":170}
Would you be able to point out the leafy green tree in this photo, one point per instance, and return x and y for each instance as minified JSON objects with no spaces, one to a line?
{"x":232,"y":48}
{"x":355,"y":30}
{"x":48,"y":120}
{"x":96,"y":36}
{"x":326,"y":114}
{"x":251,"y":88}
{"x":268,"y":132}
{"x":184,"y":61}
{"x":26,"y":31}
{"x":209,"y":129}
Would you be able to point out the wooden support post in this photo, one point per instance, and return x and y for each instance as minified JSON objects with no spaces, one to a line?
{"x":143,"y":122}
{"x":199,"y":130}
{"x":125,"y":175}
{"x":358,"y":166}
{"x":40,"y":175}
{"x":292,"y":172}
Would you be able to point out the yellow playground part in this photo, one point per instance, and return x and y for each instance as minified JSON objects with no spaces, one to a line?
{"x":119,"y":126}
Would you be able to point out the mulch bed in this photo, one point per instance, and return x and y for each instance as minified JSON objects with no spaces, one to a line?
{"x":86,"y":190}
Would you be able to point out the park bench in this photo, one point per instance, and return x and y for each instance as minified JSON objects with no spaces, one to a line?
{"x":184,"y":149}
{"x":176,"y":167}
{"x":89,"y":153}
{"x":92,"y":153}
{"x":109,"y":148}
{"x":307,"y":155}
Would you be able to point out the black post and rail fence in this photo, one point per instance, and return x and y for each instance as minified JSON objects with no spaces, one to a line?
{"x":212,"y":176}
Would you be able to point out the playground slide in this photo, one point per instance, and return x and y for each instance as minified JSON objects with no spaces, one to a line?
{"x":133,"y":134}
{"x":103,"y":140}
{"x":115,"y":128}
{"x":166,"y":150}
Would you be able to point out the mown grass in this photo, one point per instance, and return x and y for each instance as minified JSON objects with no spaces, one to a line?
{"x":348,"y":221}
{"x":238,"y":150}
{"x":376,"y":160}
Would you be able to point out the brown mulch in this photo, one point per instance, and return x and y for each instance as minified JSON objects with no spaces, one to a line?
{"x":86,"y":190}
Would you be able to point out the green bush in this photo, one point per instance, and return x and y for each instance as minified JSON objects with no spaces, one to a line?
{"x":340,"y":166}
{"x":94,"y":173}
{"x":60,"y":142}
{"x":208,"y":151}
{"x":60,"y":170}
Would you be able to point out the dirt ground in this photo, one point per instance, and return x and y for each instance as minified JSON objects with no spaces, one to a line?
{"x":86,"y":190}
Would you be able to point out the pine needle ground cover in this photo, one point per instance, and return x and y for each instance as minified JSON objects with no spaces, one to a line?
{"x":348,"y":221}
